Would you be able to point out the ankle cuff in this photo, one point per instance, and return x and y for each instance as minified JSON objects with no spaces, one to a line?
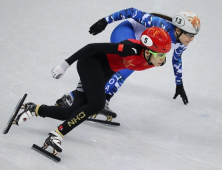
{"x":37,"y":110}
{"x":57,"y":131}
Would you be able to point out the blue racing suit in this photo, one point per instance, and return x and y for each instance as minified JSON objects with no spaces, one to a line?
{"x":132,"y":29}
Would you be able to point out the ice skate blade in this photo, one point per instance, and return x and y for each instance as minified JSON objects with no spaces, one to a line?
{"x":14,"y":114}
{"x":103,"y":122}
{"x":46,"y":153}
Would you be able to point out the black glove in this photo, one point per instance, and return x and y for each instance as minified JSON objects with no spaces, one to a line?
{"x":98,"y":27}
{"x":180,"y":91}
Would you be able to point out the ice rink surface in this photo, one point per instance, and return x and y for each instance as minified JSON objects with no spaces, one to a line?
{"x":156,"y":133}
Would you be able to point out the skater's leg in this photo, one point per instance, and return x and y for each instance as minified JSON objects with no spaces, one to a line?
{"x":62,"y":113}
{"x":122,"y":32}
{"x":93,"y":82}
{"x":56,"y":112}
{"x":92,"y":77}
{"x":116,"y":82}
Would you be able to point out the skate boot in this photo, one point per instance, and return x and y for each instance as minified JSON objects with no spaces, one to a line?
{"x":106,"y":111}
{"x":54,"y":140}
{"x":65,"y":101}
{"x":29,"y":111}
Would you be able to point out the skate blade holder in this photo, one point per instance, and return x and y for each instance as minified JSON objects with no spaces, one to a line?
{"x":108,"y":118}
{"x":45,"y":146}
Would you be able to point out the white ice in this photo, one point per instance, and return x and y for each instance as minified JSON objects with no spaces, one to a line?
{"x":156,"y":132}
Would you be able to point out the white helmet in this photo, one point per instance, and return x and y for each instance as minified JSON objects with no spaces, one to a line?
{"x":187,"y":21}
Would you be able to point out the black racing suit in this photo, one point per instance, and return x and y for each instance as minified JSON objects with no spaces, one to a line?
{"x":94,"y":70}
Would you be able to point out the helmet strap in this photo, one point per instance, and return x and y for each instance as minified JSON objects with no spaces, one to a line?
{"x":178,"y":36}
{"x":148,"y":60}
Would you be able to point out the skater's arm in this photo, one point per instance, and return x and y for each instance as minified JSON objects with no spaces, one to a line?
{"x":144,"y":18}
{"x":177,"y":64}
{"x":133,"y":13}
{"x":60,"y":70}
{"x":123,"y":48}
{"x":92,"y":49}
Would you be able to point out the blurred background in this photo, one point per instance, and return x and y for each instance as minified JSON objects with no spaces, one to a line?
{"x":156,"y":132}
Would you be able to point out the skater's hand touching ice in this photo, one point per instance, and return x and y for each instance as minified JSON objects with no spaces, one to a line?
{"x":59,"y":70}
{"x":180,"y":91}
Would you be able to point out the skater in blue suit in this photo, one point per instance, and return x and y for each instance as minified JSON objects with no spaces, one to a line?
{"x":182,"y":28}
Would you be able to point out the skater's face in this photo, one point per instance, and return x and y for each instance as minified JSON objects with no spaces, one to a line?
{"x":185,"y":38}
{"x":156,"y":60}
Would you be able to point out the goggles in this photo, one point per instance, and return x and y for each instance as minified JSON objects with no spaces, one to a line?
{"x":190,"y":35}
{"x":158,"y":55}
